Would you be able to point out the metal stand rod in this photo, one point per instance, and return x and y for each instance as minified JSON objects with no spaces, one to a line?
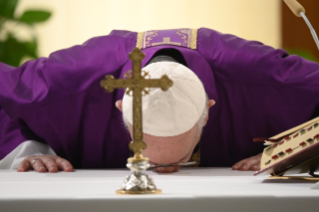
{"x":312,"y":30}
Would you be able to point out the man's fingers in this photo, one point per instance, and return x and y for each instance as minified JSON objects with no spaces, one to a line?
{"x":253,"y":161}
{"x":64,"y":165}
{"x":39,"y":166}
{"x":50,"y":164}
{"x":247,"y":165}
{"x":42,"y":163}
{"x":237,"y":165}
{"x":255,"y":167}
{"x":25,"y":165}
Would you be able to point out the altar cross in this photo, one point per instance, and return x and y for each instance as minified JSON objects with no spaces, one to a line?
{"x":136,"y":84}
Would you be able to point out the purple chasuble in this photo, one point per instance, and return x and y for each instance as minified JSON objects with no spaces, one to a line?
{"x":259,"y":91}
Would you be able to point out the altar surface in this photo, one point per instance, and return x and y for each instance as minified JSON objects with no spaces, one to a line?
{"x":190,"y":189}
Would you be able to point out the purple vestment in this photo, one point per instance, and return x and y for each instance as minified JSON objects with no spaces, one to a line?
{"x":259,"y":91}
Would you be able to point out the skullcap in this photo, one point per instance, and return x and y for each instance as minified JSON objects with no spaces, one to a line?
{"x":171,"y":112}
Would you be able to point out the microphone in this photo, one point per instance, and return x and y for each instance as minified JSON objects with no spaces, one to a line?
{"x":299,"y":11}
{"x":295,"y":7}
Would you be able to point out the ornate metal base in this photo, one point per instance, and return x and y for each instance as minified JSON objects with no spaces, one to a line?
{"x":294,"y":178}
{"x":138,"y":182}
{"x":157,"y":191}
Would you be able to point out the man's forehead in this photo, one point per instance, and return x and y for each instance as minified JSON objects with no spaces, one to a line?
{"x":170,"y":149}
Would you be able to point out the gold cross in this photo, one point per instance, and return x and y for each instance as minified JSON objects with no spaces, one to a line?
{"x":167,"y":40}
{"x":137,"y":84}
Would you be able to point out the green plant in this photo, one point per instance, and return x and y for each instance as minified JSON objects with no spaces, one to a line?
{"x":12,"y":50}
{"x":303,"y":53}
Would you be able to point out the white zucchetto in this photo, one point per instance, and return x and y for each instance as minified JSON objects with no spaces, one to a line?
{"x":171,"y":112}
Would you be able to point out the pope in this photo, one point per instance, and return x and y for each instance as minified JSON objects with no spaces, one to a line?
{"x":226,"y":91}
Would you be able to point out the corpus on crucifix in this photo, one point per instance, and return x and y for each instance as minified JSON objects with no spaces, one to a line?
{"x":138,"y":182}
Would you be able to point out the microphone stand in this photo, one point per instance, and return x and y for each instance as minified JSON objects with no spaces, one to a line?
{"x":312,"y":30}
{"x":300,"y":11}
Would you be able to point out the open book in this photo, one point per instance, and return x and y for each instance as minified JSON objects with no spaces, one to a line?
{"x":293,"y":151}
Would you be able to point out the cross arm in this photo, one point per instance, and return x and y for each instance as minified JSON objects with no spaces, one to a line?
{"x":109,"y":83}
{"x":164,"y":83}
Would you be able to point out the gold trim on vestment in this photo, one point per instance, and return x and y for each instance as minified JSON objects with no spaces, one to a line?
{"x":194,"y":39}
{"x":139,"y":42}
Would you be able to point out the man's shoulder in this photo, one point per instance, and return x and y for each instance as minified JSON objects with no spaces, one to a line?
{"x":123,"y":33}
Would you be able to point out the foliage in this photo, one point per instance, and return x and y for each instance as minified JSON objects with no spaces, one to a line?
{"x":303,"y":53}
{"x":12,"y":50}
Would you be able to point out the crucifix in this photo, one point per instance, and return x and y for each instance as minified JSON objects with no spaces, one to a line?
{"x":167,"y":41}
{"x":138,"y":182}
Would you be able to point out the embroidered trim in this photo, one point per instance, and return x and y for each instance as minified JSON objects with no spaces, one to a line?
{"x":139,"y":42}
{"x":188,"y":39}
{"x":166,"y":41}
{"x":149,"y":36}
{"x":194,"y":39}
{"x":185,"y":35}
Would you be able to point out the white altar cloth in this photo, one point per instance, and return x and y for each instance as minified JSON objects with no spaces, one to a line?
{"x":190,"y":189}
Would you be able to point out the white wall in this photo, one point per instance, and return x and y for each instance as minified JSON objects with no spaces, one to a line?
{"x":75,"y":21}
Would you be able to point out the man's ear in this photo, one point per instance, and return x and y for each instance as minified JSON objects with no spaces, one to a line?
{"x":118,"y":104}
{"x":211,"y":102}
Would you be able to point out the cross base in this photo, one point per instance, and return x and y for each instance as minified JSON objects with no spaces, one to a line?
{"x":137,"y":158}
{"x":157,"y":191}
{"x":138,"y":182}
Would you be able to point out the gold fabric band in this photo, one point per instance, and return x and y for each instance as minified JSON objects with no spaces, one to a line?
{"x":194,"y":39}
{"x":139,"y":42}
{"x":191,"y":39}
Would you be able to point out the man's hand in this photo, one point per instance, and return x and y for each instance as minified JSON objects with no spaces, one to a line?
{"x":45,"y":163}
{"x":252,"y":163}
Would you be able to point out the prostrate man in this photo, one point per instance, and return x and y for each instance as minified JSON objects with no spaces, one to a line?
{"x":259,"y":91}
{"x":172,"y":120}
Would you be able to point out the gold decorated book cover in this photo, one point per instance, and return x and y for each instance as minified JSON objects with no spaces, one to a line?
{"x":293,"y":151}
